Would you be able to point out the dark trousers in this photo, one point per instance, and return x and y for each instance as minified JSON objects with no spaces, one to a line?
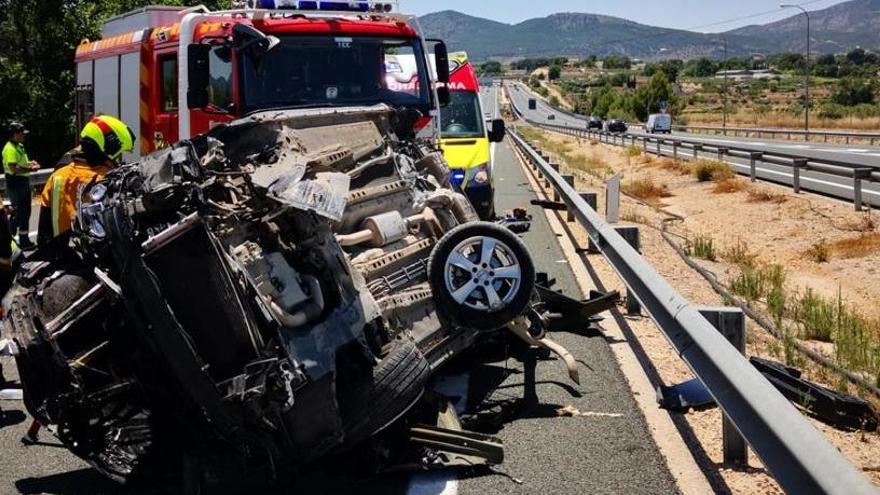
{"x":19,"y":190}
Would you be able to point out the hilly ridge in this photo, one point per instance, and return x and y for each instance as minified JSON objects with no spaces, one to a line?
{"x":835,"y":29}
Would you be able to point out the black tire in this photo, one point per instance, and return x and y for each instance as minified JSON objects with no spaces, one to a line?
{"x":374,"y":403}
{"x":116,"y":436}
{"x":480,"y":319}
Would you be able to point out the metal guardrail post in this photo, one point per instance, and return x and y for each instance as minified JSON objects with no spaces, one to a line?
{"x":859,"y":175}
{"x":631,"y":235}
{"x":569,"y":179}
{"x":555,"y":167}
{"x":675,"y":145}
{"x":658,"y":148}
{"x":612,"y":199}
{"x":697,"y":149}
{"x":753,"y":169}
{"x":721,"y":152}
{"x":796,"y":454}
{"x":592,"y":200}
{"x":731,"y":322}
{"x":797,"y":165}
{"x":645,"y":143}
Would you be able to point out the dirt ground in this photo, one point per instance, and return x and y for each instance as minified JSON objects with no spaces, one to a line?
{"x":778,"y":231}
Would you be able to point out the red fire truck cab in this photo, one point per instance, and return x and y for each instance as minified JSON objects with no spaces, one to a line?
{"x":170,"y":73}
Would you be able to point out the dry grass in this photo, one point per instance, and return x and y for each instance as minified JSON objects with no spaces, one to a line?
{"x":765,"y":195}
{"x":865,"y":223}
{"x":565,"y":152}
{"x":785,"y":121}
{"x":739,"y":254}
{"x":671,"y":165}
{"x":819,"y":252}
{"x":633,"y":217}
{"x":857,"y":247}
{"x":647,"y":190}
{"x":706,"y":170}
{"x":731,"y":185}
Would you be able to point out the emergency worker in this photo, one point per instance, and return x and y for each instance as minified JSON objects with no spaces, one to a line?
{"x":18,"y":167}
{"x":102,"y":142}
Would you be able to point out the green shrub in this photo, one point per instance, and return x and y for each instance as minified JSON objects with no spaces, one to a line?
{"x":701,"y":247}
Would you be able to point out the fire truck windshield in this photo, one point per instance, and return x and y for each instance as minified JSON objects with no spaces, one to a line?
{"x":337,"y":71}
{"x":462,"y":117}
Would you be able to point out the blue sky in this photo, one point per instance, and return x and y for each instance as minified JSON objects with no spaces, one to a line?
{"x":682,"y":14}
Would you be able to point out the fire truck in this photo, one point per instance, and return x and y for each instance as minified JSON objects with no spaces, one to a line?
{"x":171,"y":73}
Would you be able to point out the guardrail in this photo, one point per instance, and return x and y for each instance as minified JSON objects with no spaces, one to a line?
{"x":753,"y":153}
{"x":38,"y":178}
{"x":847,"y":137}
{"x":799,"y":457}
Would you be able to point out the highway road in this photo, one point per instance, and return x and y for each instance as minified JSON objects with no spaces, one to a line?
{"x":830,"y":185}
{"x":611,"y":452}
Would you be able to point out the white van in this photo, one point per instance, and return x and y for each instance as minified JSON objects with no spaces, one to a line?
{"x":659,"y":123}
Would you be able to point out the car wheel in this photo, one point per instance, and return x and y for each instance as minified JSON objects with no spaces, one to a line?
{"x":373,"y":403}
{"x":482,"y":276}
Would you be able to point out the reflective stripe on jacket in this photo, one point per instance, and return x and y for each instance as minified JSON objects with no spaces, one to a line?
{"x":62,"y":192}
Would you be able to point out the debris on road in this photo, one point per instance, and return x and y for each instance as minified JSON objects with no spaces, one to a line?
{"x":573,"y":412}
{"x":841,"y":411}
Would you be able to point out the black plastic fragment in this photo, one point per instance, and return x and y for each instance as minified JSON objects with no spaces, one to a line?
{"x":838,"y":410}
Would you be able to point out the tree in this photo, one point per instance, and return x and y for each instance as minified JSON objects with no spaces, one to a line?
{"x":670,"y":67}
{"x":789,"y":61}
{"x":856,"y":56}
{"x":701,"y":67}
{"x":851,"y":91}
{"x":617,"y":62}
{"x":38,"y":39}
{"x":826,"y":66}
{"x":491,"y":68}
{"x":554,"y":72}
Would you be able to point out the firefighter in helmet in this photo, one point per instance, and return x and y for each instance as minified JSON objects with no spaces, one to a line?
{"x":102,"y":142}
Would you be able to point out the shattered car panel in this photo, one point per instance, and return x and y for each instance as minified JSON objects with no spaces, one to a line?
{"x":254,"y":298}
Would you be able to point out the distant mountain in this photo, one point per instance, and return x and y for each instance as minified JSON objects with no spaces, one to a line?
{"x":564,"y":34}
{"x":836,"y":29}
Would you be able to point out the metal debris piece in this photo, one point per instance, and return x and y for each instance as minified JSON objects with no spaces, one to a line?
{"x":841,"y":411}
{"x":570,"y":411}
{"x":458,"y":448}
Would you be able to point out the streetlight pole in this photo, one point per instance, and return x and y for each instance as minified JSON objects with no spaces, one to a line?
{"x":807,"y":70}
{"x":726,"y":88}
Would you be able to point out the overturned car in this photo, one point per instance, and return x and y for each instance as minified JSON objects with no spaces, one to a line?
{"x":277,"y":290}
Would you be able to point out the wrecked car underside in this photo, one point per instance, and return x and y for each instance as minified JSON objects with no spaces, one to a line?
{"x":275,"y":291}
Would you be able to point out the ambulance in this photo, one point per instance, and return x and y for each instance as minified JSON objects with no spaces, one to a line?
{"x":171,"y":73}
{"x":466,"y":136}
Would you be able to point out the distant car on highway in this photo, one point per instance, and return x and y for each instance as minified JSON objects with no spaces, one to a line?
{"x":551,"y":117}
{"x":659,"y":123}
{"x":594,"y":123}
{"x":533,"y":105}
{"x":615,"y":125}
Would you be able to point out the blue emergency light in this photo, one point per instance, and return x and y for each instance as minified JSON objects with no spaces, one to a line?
{"x":457,"y":177}
{"x":314,"y":5}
